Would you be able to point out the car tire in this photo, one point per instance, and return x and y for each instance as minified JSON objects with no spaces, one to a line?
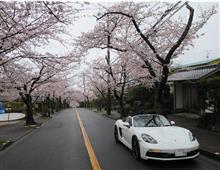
{"x":116,"y":134}
{"x":136,"y":148}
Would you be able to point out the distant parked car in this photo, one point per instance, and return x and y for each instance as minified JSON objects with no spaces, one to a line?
{"x":152,"y":136}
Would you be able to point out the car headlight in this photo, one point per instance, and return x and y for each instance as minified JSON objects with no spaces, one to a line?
{"x":147,"y":138}
{"x":191,"y":137}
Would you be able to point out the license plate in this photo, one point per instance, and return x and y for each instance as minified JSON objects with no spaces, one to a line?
{"x":180,"y":153}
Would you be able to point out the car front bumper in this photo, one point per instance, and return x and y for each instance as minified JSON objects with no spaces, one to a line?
{"x":165,"y":154}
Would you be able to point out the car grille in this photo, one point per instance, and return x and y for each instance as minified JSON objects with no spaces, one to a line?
{"x":170,"y":155}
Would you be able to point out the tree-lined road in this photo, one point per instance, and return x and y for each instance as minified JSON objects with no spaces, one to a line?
{"x":59,"y":145}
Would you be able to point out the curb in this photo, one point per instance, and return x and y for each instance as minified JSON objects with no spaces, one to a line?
{"x":104,"y":114}
{"x":210,"y":155}
{"x":5,"y":145}
{"x":110,"y":117}
{"x":8,"y":143}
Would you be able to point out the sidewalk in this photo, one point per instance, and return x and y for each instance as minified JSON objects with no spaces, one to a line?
{"x":209,"y":141}
{"x":10,"y":132}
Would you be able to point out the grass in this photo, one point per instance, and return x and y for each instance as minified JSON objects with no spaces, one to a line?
{"x":1,"y":142}
{"x":4,"y":144}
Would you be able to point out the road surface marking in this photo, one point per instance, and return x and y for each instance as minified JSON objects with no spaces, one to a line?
{"x":91,"y":153}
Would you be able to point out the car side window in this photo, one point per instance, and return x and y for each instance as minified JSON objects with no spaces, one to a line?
{"x":128,"y":119}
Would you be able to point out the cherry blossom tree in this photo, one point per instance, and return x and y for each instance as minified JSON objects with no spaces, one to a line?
{"x":74,"y":97}
{"x":25,"y":25}
{"x":102,"y":37}
{"x":27,"y":77}
{"x":158,"y":35}
{"x":96,"y":79}
{"x":123,"y":73}
{"x":51,"y":94}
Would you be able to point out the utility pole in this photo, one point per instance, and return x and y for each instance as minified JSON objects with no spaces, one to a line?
{"x":109,"y":102}
{"x":85,"y":102}
{"x":84,"y":90}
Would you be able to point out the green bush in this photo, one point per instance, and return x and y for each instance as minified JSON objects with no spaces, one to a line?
{"x":209,"y":96}
{"x":14,"y":106}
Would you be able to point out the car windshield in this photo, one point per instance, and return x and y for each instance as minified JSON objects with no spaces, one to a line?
{"x":150,"y":121}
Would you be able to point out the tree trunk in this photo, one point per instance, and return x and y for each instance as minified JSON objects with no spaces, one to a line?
{"x":99,"y":105}
{"x":160,"y":88}
{"x":29,"y":110}
{"x":122,"y":110}
{"x":53,"y":106}
{"x":60,"y":105}
{"x":108,"y":102}
{"x":48,"y":101}
{"x":56,"y":105}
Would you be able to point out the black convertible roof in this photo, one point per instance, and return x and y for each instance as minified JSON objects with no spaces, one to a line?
{"x":144,"y":113}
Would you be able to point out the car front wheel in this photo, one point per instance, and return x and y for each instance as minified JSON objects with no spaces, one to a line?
{"x":135,"y":148}
{"x":116,"y":134}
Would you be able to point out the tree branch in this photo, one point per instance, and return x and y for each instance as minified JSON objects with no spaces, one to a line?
{"x":183,"y":36}
{"x":145,"y":38}
{"x":114,"y":48}
{"x":51,"y":12}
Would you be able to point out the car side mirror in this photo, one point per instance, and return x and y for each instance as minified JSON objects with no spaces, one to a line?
{"x":126,"y":124}
{"x":172,"y":123}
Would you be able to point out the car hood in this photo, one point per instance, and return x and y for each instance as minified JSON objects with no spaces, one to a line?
{"x":167,"y":134}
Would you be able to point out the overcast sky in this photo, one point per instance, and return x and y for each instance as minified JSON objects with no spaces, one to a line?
{"x":207,"y":46}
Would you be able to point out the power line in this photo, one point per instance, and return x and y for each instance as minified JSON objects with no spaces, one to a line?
{"x":157,"y":24}
{"x":175,"y":12}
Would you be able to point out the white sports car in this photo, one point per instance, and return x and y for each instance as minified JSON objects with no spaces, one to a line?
{"x":152,"y":136}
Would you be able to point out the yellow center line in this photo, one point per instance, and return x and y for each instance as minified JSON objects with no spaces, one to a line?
{"x":91,"y":153}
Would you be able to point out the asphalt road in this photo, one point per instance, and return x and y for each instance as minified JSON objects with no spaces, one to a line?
{"x":59,"y":145}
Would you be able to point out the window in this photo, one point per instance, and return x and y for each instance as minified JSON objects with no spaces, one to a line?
{"x":150,"y":121}
{"x":129,"y":120}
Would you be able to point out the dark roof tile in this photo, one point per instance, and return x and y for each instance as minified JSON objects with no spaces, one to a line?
{"x":194,"y":74}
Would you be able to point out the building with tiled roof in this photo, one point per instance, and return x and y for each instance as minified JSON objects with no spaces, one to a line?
{"x":194,"y":73}
{"x":185,"y":83}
